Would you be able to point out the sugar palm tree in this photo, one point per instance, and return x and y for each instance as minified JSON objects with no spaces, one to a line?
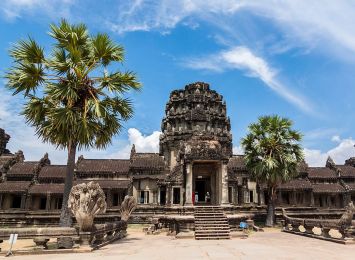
{"x":272,"y":154}
{"x":72,"y":99}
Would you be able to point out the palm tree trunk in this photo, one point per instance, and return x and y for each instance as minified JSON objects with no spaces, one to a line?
{"x":65,"y":215}
{"x":271,"y":208}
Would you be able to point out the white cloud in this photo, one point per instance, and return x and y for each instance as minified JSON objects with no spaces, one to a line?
{"x":237,"y":150}
{"x":143,"y":143}
{"x":244,"y":59}
{"x":165,"y":14}
{"x":342,"y":151}
{"x":327,"y":24}
{"x":13,"y":9}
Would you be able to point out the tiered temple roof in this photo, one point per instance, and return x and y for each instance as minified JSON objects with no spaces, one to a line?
{"x":52,"y":173}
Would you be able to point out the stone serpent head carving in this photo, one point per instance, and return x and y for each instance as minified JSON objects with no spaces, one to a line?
{"x":347,"y":217}
{"x":128,"y":205}
{"x":86,"y":200}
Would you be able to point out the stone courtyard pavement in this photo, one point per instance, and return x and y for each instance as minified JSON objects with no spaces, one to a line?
{"x":268,"y":245}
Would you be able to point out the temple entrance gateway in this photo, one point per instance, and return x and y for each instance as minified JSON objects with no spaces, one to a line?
{"x":203,"y":190}
{"x":204,"y":183}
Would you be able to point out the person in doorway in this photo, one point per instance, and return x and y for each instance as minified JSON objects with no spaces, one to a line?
{"x":196,"y":197}
{"x":208,"y":197}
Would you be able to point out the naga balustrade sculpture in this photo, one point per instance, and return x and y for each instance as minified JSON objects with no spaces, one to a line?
{"x":86,"y":200}
{"x":345,"y":226}
{"x":128,"y":205}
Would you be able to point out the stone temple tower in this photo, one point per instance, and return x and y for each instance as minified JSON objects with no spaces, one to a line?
{"x":196,"y":133}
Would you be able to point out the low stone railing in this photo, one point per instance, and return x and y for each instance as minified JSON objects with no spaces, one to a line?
{"x":41,"y":236}
{"x":104,"y":234}
{"x":319,"y":228}
{"x":69,"y":237}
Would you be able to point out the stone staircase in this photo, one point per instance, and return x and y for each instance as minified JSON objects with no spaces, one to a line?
{"x":211,"y":223}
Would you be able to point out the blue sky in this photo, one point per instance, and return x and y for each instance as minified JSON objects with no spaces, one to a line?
{"x":292,"y":58}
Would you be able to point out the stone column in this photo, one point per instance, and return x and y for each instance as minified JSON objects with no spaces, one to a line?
{"x":236,"y":198}
{"x":109,"y":199}
{"x":23,"y":201}
{"x":168,"y":195}
{"x":29,"y":202}
{"x":224,"y":175}
{"x":48,"y":201}
{"x":158,"y":196}
{"x":312,"y":199}
{"x":279,"y":198}
{"x":258,"y":194}
{"x":293,"y":198}
{"x":240,"y":195}
{"x":188,"y":194}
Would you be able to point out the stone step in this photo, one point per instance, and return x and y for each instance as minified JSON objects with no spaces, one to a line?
{"x":219,"y":214}
{"x":211,"y":227}
{"x":212,"y":237}
{"x":209,"y":217}
{"x":208,"y":210}
{"x":213,"y":231}
{"x":211,"y":222}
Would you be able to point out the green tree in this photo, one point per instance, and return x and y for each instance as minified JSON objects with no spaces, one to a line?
{"x":71,"y":98}
{"x":272,"y":154}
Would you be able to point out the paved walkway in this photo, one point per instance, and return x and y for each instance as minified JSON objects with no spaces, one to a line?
{"x":267,"y":245}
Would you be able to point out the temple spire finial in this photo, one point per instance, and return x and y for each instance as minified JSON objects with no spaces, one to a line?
{"x":330,"y":163}
{"x":133,"y":152}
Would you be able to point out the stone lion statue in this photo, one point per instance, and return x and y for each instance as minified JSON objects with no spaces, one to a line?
{"x":86,"y":200}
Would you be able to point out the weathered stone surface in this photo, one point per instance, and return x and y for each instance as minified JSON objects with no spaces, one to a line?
{"x":41,"y":242}
{"x":86,"y":200}
{"x":195,"y":115}
{"x":4,"y":139}
{"x":65,"y":242}
{"x":128,"y":205}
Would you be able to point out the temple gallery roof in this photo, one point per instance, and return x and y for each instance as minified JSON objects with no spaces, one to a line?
{"x":23,"y":169}
{"x":237,"y":163}
{"x":328,"y":188}
{"x":147,"y":161}
{"x":346,"y":171}
{"x":52,"y":172}
{"x":108,"y":184}
{"x":321,"y":173}
{"x":50,"y":188}
{"x":103,"y":165}
{"x":296,"y":184}
{"x":14,"y":186}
